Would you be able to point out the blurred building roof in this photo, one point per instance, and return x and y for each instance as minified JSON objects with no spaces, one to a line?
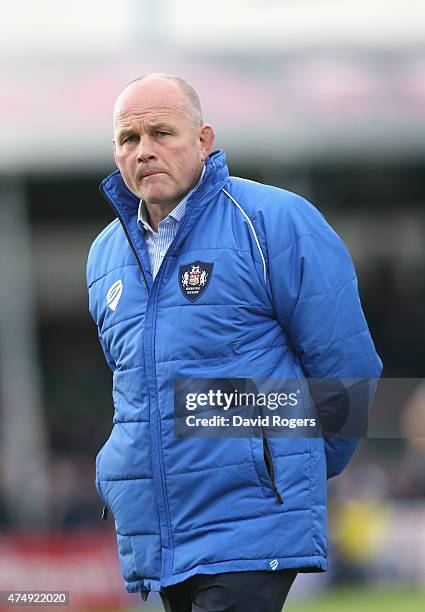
{"x":294,"y":80}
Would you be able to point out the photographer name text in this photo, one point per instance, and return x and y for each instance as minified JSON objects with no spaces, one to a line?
{"x":273,"y":420}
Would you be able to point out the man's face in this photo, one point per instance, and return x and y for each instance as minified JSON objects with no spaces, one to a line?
{"x":158,"y":149}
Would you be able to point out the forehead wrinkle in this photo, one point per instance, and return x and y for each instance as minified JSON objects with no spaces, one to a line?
{"x":150,"y":114}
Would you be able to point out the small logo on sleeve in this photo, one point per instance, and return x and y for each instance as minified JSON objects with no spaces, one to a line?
{"x":114,"y":294}
{"x":274,"y":564}
{"x":194,"y":279}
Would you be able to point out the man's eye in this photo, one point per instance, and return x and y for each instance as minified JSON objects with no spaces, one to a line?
{"x":162,"y":133}
{"x":129,"y":138}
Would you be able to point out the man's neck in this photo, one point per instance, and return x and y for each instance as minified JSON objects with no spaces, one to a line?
{"x":158,"y":213}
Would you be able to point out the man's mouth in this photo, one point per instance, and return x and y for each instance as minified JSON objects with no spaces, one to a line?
{"x":148,"y":174}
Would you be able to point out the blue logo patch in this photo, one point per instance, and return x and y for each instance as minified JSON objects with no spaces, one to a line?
{"x":194,"y":279}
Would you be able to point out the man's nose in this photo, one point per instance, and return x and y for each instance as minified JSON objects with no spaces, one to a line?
{"x":145,"y":149}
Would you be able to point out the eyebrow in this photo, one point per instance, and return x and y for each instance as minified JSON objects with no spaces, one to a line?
{"x":124,"y":132}
{"x":161,"y":125}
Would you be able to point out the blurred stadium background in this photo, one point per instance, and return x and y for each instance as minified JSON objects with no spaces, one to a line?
{"x":323,"y":97}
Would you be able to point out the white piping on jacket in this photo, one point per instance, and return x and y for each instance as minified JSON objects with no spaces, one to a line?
{"x":252,"y":230}
{"x":113,"y":226}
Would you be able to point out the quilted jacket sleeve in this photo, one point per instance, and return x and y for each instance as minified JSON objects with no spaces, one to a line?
{"x":314,"y":289}
{"x":91,"y":276}
{"x":107,"y":354}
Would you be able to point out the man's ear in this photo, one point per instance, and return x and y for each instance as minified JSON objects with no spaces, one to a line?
{"x":115,"y":151}
{"x":207,"y":138}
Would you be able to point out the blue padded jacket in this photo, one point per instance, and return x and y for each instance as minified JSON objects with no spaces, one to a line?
{"x":281,"y":302}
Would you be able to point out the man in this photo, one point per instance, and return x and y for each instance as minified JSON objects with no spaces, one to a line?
{"x":211,"y":277}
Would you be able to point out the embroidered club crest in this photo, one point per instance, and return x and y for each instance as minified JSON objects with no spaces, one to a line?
{"x":194,"y":278}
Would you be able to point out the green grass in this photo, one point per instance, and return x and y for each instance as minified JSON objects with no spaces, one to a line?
{"x":362,"y":600}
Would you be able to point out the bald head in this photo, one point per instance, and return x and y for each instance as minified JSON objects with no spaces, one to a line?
{"x":160,"y":141}
{"x":169,"y":84}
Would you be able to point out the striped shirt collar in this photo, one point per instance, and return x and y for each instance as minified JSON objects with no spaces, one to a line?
{"x":175,"y":215}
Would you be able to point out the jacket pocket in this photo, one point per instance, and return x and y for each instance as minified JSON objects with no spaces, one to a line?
{"x":264,"y":466}
{"x":104,"y":514}
{"x":268,"y":461}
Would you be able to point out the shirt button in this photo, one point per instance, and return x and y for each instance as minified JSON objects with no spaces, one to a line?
{"x":162,"y":253}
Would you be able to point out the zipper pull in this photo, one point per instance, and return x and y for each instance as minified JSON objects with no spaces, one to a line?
{"x":104,"y":515}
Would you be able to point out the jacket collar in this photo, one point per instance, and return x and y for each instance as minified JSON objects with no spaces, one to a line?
{"x":126,"y":204}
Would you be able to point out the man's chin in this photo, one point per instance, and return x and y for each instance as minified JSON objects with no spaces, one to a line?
{"x":155,"y":194}
{"x":159,"y":199}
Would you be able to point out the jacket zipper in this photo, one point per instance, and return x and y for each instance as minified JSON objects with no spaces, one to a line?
{"x":157,"y":420}
{"x":136,"y":255}
{"x":268,"y":459}
{"x":127,"y":235}
{"x":104,"y":515}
